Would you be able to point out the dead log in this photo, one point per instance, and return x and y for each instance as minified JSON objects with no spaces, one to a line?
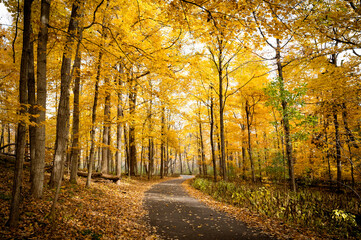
{"x":99,"y":175}
{"x":7,"y":158}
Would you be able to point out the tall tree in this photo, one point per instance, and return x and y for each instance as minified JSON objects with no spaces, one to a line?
{"x":62,"y":123}
{"x":21,"y":135}
{"x":74,"y":156}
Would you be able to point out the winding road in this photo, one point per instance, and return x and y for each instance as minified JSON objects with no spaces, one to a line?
{"x":176,"y":215}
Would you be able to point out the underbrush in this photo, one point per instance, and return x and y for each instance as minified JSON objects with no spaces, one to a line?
{"x":335,"y":214}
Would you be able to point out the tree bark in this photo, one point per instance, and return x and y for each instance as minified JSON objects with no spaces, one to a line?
{"x":211,"y":140}
{"x":74,"y":156}
{"x":106,"y":129}
{"x":21,"y":136}
{"x":119,"y":128}
{"x":132,"y":144}
{"x":38,"y":164}
{"x":2,"y":140}
{"x":338,"y":149}
{"x":203,"y":160}
{"x":250,"y":153}
{"x":150,"y":140}
{"x":351,"y":141}
{"x":32,"y":109}
{"x":285,"y":116}
{"x":94,"y":117}
{"x":162,"y":143}
{"x":62,"y":123}
{"x":221,"y":111}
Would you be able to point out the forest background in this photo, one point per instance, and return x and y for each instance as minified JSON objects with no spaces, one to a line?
{"x":259,"y":91}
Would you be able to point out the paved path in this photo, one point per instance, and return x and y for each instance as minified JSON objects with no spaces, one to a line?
{"x":176,"y":215}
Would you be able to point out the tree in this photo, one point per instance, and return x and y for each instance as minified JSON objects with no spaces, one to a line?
{"x":21,"y":135}
{"x":74,"y":156}
{"x":62,"y":123}
{"x":38,"y":163}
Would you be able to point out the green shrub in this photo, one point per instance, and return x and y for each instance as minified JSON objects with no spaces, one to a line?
{"x":321,"y":211}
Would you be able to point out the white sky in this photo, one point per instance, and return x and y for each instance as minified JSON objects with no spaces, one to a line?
{"x":5,"y":17}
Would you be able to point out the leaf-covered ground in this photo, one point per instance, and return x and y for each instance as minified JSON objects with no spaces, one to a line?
{"x":268,"y":225}
{"x":105,"y":211}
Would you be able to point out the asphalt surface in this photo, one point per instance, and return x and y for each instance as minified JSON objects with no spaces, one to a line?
{"x":176,"y":215}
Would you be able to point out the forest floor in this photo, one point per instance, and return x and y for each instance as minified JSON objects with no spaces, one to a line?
{"x":104,"y":211}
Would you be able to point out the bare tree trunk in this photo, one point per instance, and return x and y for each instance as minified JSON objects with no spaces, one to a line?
{"x":150,"y":140}
{"x":162,"y":143}
{"x":119,"y":132}
{"x":221,"y":121}
{"x":62,"y":123}
{"x":74,"y":156}
{"x":127,"y":153}
{"x":203,"y":157}
{"x":351,"y":142}
{"x":21,"y":137}
{"x":106,"y":128}
{"x":248,"y":110}
{"x":94,"y":117}
{"x":38,"y":163}
{"x":9,"y":138}
{"x":258,"y":156}
{"x":211,"y":140}
{"x":2,"y":140}
{"x":285,"y":116}
{"x":180,"y":162}
{"x":338,"y":150}
{"x":32,"y":109}
{"x":132,"y":144}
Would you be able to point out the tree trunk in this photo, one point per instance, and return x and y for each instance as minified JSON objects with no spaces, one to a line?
{"x":150,"y":140}
{"x":285,"y":116}
{"x":180,"y":162}
{"x":211,"y":140}
{"x":106,"y":129}
{"x":127,"y":152}
{"x":37,"y":165}
{"x":203,"y":160}
{"x":132,"y":143}
{"x":248,"y":110}
{"x":338,"y":150}
{"x":221,"y":110}
{"x":9,"y":138}
{"x":119,"y":131}
{"x":32,"y":109}
{"x":351,"y":142}
{"x":94,"y":117}
{"x":2,"y":140}
{"x":74,"y":156}
{"x":162,"y":143}
{"x":21,"y":136}
{"x":62,"y":123}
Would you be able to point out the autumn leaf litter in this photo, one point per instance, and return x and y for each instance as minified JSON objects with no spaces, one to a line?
{"x":104,"y":211}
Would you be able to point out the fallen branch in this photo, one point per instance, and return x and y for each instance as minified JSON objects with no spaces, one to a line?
{"x":100,"y":175}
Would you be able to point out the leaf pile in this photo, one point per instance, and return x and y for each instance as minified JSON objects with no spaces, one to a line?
{"x":105,"y":211}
